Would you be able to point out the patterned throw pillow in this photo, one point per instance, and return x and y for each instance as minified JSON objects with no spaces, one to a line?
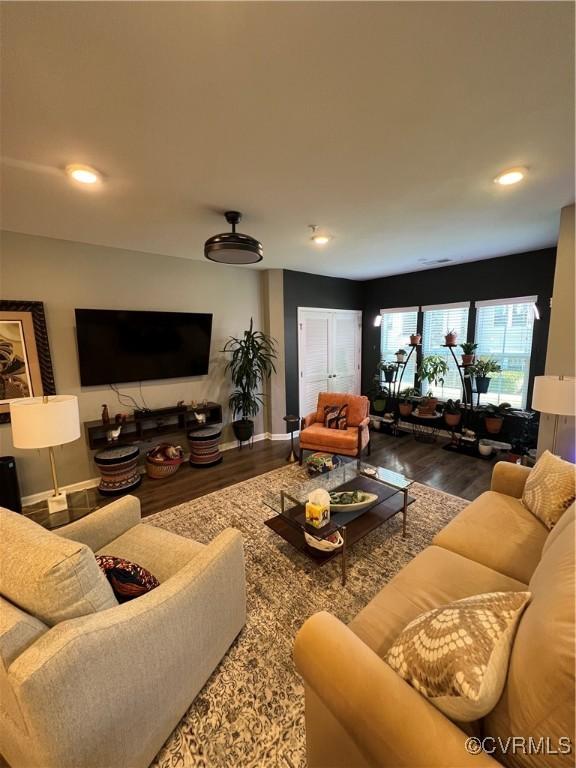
{"x":128,"y":580}
{"x":550,"y":488}
{"x":457,"y":656}
{"x":336,"y":418}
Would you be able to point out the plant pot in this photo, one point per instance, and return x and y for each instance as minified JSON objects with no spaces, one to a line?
{"x":405,"y":409}
{"x":428,"y":405}
{"x":375,"y":424}
{"x":243,"y":429}
{"x":482,"y":384}
{"x":389,"y":376}
{"x":484,"y":450}
{"x":468,"y":359}
{"x":452,"y":419}
{"x":415,"y":338}
{"x":450,"y":339}
{"x":379,"y":405}
{"x":493,"y":424}
{"x":400,"y":358}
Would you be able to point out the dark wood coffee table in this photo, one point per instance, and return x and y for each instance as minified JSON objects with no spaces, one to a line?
{"x":391,"y":490}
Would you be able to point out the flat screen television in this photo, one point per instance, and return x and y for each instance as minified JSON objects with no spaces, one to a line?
{"x":117,"y":346}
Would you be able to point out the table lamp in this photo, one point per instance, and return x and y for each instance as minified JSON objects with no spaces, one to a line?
{"x":43,"y":422}
{"x":554,"y":395}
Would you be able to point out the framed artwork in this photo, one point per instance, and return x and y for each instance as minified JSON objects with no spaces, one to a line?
{"x":25,"y":362}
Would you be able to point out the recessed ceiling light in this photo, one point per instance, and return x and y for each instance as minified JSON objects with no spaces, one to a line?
{"x":317,"y":238}
{"x":511,"y":176}
{"x":83,"y":173}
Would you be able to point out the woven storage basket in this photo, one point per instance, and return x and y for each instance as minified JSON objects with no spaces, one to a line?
{"x":158,"y":470}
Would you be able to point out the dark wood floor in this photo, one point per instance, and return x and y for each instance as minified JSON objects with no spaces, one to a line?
{"x":427,"y":463}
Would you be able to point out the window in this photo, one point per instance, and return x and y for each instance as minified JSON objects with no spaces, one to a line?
{"x":395,"y":331}
{"x":438,"y":320}
{"x":504,"y":332}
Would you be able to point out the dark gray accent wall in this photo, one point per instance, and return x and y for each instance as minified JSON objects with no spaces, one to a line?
{"x":522,"y":274}
{"x":302,"y":289}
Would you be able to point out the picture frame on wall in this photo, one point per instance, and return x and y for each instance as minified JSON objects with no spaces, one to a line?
{"x":25,"y":361}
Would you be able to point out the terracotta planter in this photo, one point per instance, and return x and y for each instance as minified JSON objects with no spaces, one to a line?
{"x":405,"y":409}
{"x":493,"y":424}
{"x":428,"y":405}
{"x":415,"y":338}
{"x":452,"y":419}
{"x":468,"y":359}
{"x":450,"y":339}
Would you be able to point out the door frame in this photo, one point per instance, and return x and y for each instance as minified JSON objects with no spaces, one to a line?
{"x":355,"y":312}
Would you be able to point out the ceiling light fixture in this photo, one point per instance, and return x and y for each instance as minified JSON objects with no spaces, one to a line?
{"x":83,"y":173}
{"x":317,"y":238}
{"x":233,"y":247}
{"x":510,"y":176}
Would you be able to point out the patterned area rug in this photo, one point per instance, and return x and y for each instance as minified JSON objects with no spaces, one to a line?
{"x":250,"y":714}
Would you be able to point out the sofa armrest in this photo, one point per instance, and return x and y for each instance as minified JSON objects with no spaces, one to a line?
{"x":308,"y":420}
{"x":104,"y":525}
{"x":390,"y":723}
{"x":509,"y":479}
{"x":135,"y":668}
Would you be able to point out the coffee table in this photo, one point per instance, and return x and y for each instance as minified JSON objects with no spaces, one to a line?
{"x":289,"y":522}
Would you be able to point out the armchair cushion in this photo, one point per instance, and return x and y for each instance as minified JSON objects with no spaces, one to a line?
{"x":50,"y":577}
{"x":333,"y":439}
{"x":358,"y":406}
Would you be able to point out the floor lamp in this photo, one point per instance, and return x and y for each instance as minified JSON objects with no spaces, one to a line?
{"x":44,"y":422}
{"x":554,"y":395}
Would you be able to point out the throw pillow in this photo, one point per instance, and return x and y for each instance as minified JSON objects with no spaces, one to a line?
{"x":550,"y":488}
{"x":128,"y":580}
{"x":457,"y":655}
{"x":336,"y":418}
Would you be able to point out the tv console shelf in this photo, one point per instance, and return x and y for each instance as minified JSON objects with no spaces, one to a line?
{"x":149,"y":425}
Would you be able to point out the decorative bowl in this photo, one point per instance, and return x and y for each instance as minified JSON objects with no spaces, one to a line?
{"x":366,"y":499}
{"x":324,"y":545}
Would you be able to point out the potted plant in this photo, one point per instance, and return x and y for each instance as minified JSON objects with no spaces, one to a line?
{"x":401,"y":355}
{"x":405,"y":404}
{"x":452,"y":413}
{"x":415,"y":339}
{"x":388,"y":369}
{"x":432,"y":369}
{"x":468,"y":349}
{"x":494,"y":416}
{"x":481,"y":370}
{"x":450,"y":338}
{"x":252,"y":361}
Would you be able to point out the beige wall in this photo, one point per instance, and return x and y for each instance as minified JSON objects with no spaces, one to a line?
{"x":561,"y":352}
{"x":273,"y":323}
{"x":65,"y":275}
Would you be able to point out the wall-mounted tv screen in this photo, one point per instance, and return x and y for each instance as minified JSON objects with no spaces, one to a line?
{"x":117,"y":346}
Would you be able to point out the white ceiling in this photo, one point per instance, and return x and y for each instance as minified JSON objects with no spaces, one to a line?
{"x":383,"y":122}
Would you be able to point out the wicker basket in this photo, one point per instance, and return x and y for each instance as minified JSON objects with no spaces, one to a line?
{"x":158,"y":470}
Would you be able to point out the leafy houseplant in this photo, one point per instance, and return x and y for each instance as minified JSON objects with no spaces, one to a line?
{"x":388,"y":369}
{"x":406,"y":405}
{"x":468,"y":350}
{"x":452,"y":413}
{"x":450,"y":338}
{"x":401,"y":355}
{"x":494,"y":416}
{"x":432,"y":369}
{"x":252,"y":361}
{"x":481,"y":371}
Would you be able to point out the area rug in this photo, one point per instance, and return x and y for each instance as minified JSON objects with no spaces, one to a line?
{"x":250,"y":714}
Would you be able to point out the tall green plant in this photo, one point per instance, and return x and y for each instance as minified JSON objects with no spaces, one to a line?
{"x":433,"y":369}
{"x":252,"y":361}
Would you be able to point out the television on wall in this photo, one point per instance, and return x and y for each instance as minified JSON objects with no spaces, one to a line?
{"x":119,"y":346}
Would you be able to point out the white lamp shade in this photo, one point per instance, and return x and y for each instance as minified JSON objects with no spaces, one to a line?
{"x":37,"y":423}
{"x":555,"y":395}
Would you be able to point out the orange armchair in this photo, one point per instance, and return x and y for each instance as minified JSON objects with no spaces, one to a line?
{"x":314,"y":436}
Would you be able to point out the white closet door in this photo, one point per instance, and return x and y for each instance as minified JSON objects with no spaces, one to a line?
{"x":329,"y":353}
{"x":313,"y":357}
{"x":346,"y":348}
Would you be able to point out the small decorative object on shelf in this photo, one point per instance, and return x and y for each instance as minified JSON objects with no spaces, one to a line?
{"x":320,"y":463}
{"x":415,"y":339}
{"x":105,"y":414}
{"x":200,"y":417}
{"x":401,"y":355}
{"x":113,"y":434}
{"x":468,"y":350}
{"x":450,"y":338}
{"x":318,"y":508}
{"x":164,"y":460}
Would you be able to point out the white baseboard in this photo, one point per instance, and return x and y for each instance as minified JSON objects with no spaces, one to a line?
{"x":35,"y":498}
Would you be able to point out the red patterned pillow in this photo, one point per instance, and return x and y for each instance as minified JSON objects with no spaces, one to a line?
{"x":128,"y":580}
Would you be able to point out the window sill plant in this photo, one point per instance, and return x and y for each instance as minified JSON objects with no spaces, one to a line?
{"x":401,"y":355}
{"x":406,"y":403}
{"x":494,"y":416}
{"x":452,"y":413}
{"x":450,"y":338}
{"x":481,"y":371}
{"x":433,"y":369}
{"x":468,"y":350}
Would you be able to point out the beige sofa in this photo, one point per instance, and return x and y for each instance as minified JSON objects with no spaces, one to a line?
{"x":106,"y":689}
{"x":360,"y":713}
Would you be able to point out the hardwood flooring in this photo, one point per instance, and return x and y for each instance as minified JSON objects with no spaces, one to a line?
{"x":426,"y":463}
